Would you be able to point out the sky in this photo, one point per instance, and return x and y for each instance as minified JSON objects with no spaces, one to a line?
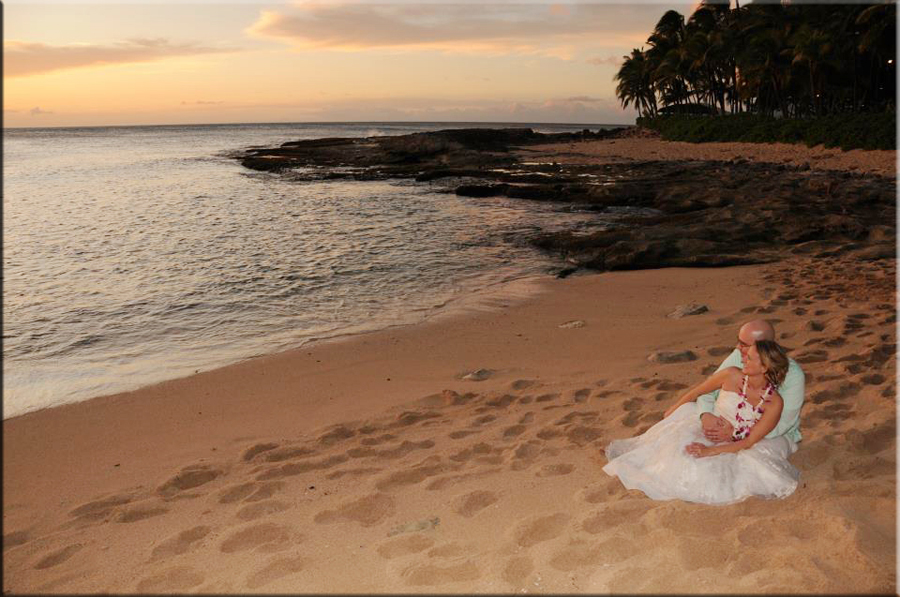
{"x":165,"y":62}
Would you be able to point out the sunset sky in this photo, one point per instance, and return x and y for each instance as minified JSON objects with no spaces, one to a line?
{"x":73,"y":64}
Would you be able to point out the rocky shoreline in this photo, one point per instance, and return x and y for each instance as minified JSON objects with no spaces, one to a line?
{"x":693,"y":213}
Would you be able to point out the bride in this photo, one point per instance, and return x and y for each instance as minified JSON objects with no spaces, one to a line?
{"x":673,"y":460}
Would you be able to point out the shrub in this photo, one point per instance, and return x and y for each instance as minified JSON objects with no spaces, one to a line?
{"x":847,"y":131}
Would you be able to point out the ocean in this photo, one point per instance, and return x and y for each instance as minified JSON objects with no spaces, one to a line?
{"x":132,"y":255}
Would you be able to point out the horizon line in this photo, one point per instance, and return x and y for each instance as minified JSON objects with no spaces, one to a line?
{"x":107,"y":126}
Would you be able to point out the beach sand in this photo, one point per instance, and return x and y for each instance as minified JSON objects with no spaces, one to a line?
{"x":371,"y":464}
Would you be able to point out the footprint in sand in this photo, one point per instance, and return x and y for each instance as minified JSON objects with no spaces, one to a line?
{"x":367,"y":511}
{"x":525,"y":455}
{"x":539,"y":529}
{"x":289,"y":453}
{"x":335,"y":435}
{"x":521,"y":384}
{"x":502,"y":401}
{"x":299,"y":468}
{"x":720,"y":351}
{"x":548,"y":433}
{"x":399,"y":451}
{"x":581,"y":554}
{"x":480,"y":449}
{"x":875,"y":379}
{"x":353,"y":472}
{"x":414,"y":527}
{"x":581,"y":395}
{"x":251,"y":452}
{"x":483,"y":420}
{"x":517,"y":570}
{"x":606,"y":393}
{"x":581,"y":435}
{"x":472,"y":503}
{"x":260,"y":509}
{"x":431,"y":575}
{"x":546,"y":397}
{"x":462,"y":433}
{"x":708,"y":552}
{"x":265,"y":536}
{"x":513,"y":431}
{"x":411,"y":476}
{"x":172,"y":580}
{"x":410,"y":418}
{"x":189,"y":478}
{"x":275,"y":570}
{"x":237,"y":492}
{"x":102,"y":508}
{"x":633,"y":404}
{"x":554,"y":470}
{"x":375,"y":441}
{"x":404,"y":546}
{"x":14,"y":539}
{"x":140,"y":513}
{"x":179,"y":544}
{"x":58,"y":557}
{"x":613,"y":514}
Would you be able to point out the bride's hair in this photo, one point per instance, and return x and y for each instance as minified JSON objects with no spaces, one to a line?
{"x":774,"y":360}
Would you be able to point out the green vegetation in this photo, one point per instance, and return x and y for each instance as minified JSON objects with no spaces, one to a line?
{"x":847,"y":131}
{"x":791,"y":61}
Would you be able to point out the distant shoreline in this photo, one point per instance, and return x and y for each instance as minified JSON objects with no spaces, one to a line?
{"x":326,"y":123}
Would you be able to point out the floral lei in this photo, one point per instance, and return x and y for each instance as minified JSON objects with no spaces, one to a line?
{"x":743,"y":426}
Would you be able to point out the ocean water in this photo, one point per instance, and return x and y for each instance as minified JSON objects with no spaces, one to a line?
{"x":138,"y":254}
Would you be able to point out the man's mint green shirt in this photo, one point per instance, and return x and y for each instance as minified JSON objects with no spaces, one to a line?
{"x":791,"y":391}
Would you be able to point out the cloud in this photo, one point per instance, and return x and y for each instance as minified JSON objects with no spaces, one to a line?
{"x":514,"y":28}
{"x":36,"y":111}
{"x":26,"y":58}
{"x":579,"y":110}
{"x":608,"y":60}
{"x":202,"y":103}
{"x":584,"y":98}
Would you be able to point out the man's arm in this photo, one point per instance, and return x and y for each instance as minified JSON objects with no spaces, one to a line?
{"x":706,"y":402}
{"x":791,"y":390}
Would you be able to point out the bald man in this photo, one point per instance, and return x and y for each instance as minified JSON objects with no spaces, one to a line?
{"x":717,"y":429}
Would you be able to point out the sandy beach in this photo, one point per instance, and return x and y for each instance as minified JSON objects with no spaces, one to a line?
{"x":464,"y":454}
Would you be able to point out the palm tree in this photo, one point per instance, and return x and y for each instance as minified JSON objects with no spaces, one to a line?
{"x":635,"y":84}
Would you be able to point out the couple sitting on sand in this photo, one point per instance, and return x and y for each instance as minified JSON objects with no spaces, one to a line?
{"x":726,"y":438}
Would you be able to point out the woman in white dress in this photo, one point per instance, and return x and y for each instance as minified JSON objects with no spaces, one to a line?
{"x":673,"y":460}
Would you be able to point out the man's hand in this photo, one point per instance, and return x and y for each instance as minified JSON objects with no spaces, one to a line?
{"x":716,"y":429}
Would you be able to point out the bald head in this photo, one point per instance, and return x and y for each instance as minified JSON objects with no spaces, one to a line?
{"x":758,"y":329}
{"x":750,"y":332}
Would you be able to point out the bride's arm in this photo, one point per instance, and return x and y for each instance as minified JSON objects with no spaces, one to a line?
{"x":713,"y":382}
{"x":762,"y":427}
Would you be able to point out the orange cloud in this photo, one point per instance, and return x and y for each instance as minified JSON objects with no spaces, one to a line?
{"x":519,"y":28}
{"x":24,"y":58}
{"x":607,"y":60}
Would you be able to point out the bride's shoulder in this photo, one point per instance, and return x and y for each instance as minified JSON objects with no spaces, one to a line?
{"x":731,"y":376}
{"x":775,"y":398}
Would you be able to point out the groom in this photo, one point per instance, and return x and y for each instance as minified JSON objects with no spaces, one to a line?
{"x":717,"y":429}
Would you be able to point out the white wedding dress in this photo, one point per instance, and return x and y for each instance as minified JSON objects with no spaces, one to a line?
{"x":657,"y":464}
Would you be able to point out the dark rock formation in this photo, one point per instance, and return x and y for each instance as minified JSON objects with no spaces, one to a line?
{"x":661,"y":213}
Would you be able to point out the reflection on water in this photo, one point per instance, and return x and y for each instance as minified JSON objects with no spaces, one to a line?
{"x":133,"y":255}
